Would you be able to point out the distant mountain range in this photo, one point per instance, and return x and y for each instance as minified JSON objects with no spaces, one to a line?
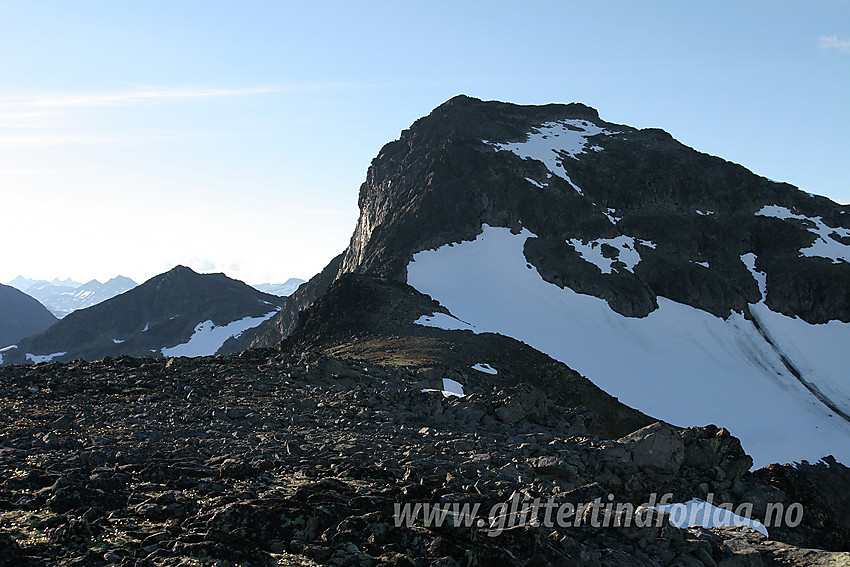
{"x":62,"y":297}
{"x":178,"y":313}
{"x":285,"y":289}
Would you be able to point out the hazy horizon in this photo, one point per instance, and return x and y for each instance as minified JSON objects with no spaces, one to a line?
{"x":234,"y":138}
{"x":62,"y":280}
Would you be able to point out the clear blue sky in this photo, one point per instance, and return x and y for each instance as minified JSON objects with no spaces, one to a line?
{"x":233,"y":136}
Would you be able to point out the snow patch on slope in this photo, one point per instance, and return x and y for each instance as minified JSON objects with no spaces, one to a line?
{"x":612,"y":216}
{"x":208,"y":338}
{"x":535,"y":183}
{"x":2,"y":350}
{"x":824,"y":246}
{"x":486,"y":368}
{"x":38,"y":358}
{"x":551,"y":142}
{"x":445,"y":322}
{"x":678,"y":363}
{"x":450,"y":388}
{"x":696,"y":512}
{"x":626,"y":247}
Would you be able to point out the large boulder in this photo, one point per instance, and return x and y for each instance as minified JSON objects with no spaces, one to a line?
{"x":659,"y":446}
{"x":708,"y":447}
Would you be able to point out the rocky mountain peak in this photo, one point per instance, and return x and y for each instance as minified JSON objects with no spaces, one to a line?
{"x":177,"y":313}
{"x":652,"y":268}
{"x":580,"y":183}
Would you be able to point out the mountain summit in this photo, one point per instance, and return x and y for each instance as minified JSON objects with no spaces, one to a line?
{"x":687,"y":286}
{"x":178,"y":313}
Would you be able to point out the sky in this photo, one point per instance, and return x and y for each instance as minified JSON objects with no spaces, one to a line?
{"x":234,"y":136}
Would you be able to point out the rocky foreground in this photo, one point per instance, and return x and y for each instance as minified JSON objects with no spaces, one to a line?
{"x":286,"y":458}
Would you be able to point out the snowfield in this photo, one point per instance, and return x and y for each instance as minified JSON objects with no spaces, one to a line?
{"x":679,"y":363}
{"x":612,"y":216}
{"x":818,"y":352}
{"x":208,"y":338}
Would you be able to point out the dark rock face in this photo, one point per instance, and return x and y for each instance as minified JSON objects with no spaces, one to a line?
{"x":439,"y":182}
{"x":162,"y":312}
{"x":20,"y":316}
{"x":824,"y":490}
{"x":282,"y":324}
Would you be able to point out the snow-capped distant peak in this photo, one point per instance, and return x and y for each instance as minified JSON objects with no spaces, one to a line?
{"x":62,"y":297}
{"x":67,"y":282}
{"x":282,"y":290}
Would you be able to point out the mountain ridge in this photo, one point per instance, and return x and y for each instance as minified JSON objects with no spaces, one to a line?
{"x":22,"y":316}
{"x":155,"y":318}
{"x":368,"y":251}
{"x":633,"y":230}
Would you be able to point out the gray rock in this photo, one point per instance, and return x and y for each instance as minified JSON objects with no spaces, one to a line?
{"x":555,"y":467}
{"x":658,"y":446}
